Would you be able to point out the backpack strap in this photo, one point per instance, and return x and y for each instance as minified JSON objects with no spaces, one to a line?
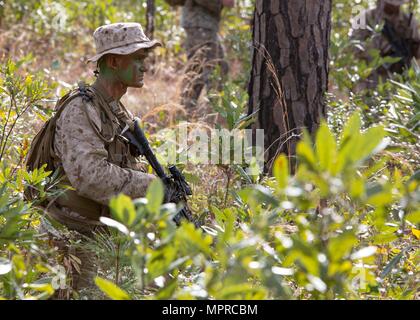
{"x":42,"y":147}
{"x":108,"y":130}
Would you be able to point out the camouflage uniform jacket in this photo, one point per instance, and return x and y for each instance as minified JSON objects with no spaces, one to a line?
{"x":97,"y":164}
{"x":204,"y":14}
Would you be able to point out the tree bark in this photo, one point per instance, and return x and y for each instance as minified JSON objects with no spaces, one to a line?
{"x":150,"y":18}
{"x":289,"y":76}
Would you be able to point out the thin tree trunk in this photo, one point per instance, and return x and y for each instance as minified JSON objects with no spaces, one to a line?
{"x":289,"y":75}
{"x":2,"y":6}
{"x":150,"y":18}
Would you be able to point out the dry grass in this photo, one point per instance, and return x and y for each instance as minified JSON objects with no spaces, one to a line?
{"x":62,"y":59}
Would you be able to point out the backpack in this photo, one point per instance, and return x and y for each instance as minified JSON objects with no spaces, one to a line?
{"x":175,"y":3}
{"x":41,"y":153}
{"x":41,"y":150}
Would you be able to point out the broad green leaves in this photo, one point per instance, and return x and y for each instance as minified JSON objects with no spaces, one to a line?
{"x":326,"y":149}
{"x":192,"y":240}
{"x":123,"y":209}
{"x":111,"y":289}
{"x":155,"y":195}
{"x":333,"y":201}
{"x":336,"y":159}
{"x":281,"y":171}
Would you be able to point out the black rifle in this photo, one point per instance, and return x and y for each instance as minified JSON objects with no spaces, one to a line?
{"x":175,"y":183}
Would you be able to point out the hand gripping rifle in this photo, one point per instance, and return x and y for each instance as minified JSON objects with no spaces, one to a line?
{"x":175,"y":183}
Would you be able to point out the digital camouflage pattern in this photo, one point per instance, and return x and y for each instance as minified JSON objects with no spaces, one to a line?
{"x":406,"y":28}
{"x":97,"y":170}
{"x":204,"y":14}
{"x":121,"y":38}
{"x":205,"y":52}
{"x":201,"y":20}
{"x":85,"y":159}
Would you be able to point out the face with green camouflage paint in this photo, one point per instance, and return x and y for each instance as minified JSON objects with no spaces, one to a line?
{"x":126,"y":69}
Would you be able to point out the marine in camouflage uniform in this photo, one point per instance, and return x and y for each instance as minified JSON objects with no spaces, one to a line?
{"x":201,"y":20}
{"x":83,"y":142}
{"x":398,"y":38}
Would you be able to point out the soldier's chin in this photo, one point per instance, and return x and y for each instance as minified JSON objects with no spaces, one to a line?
{"x":138,"y":84}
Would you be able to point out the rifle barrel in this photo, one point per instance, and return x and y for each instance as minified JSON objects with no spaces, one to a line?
{"x":148,"y":153}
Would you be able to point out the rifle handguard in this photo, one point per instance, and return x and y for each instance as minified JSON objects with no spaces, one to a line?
{"x":175,"y":183}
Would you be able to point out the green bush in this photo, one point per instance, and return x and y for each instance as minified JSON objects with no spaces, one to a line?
{"x":345,"y":226}
{"x":325,"y":233}
{"x":25,"y":270}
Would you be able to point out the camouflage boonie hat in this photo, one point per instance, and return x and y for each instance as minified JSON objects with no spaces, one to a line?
{"x":121,"y":38}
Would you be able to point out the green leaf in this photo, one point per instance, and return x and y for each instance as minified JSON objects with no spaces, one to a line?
{"x":340,"y":246}
{"x":281,"y":171}
{"x":357,"y":187}
{"x":415,"y":176}
{"x":326,"y":148}
{"x":305,"y":151}
{"x":123,"y":209}
{"x":384,"y":238}
{"x":356,"y":147}
{"x":242,"y":173}
{"x":413,"y":217}
{"x":19,"y":266}
{"x":237,"y":291}
{"x":193,"y":240}
{"x":155,"y":195}
{"x":392,"y":264}
{"x":380,"y":199}
{"x":42,"y":287}
{"x":111,"y":289}
{"x":351,"y":128}
{"x":258,"y":194}
{"x":371,"y":142}
{"x":168,"y":290}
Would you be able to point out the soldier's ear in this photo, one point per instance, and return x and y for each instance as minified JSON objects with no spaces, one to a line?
{"x":112,"y":61}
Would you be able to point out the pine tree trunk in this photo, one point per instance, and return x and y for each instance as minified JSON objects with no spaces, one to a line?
{"x":289,"y":76}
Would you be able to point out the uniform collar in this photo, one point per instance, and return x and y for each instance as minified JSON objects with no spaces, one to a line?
{"x":113,"y":103}
{"x":101,"y":90}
